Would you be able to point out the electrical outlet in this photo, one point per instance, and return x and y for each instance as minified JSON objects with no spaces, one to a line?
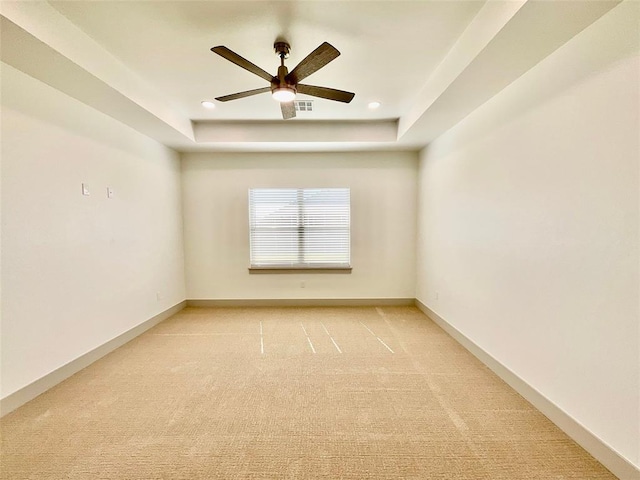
{"x":303,"y":284}
{"x":158,"y":296}
{"x":437,"y":295}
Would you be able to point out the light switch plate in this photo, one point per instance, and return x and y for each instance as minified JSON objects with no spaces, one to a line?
{"x":85,"y":189}
{"x":109,"y":192}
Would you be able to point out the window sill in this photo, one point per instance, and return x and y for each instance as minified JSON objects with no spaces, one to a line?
{"x":291,"y":269}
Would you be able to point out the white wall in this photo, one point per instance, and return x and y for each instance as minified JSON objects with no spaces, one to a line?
{"x":383,"y":208}
{"x":528,"y":230}
{"x":78,"y":271}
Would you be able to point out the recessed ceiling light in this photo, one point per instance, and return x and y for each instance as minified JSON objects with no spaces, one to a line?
{"x":208,"y":104}
{"x":374,"y":105}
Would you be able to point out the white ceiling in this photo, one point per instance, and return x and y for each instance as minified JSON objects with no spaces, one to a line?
{"x":149,"y":64}
{"x":386,"y":61}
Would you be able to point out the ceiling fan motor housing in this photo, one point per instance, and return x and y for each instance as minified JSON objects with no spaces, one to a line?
{"x":280,"y":81}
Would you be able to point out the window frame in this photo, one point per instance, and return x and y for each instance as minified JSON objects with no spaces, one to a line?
{"x":300,"y":267}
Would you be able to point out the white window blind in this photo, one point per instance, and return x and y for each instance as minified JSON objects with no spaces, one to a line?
{"x":300,"y":227}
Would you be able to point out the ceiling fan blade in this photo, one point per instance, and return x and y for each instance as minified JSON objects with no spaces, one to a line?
{"x":241,"y":62}
{"x":313,"y":62}
{"x":247,"y":93}
{"x":324,"y":92}
{"x":288,"y":110}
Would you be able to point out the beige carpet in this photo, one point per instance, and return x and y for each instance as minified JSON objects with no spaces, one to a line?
{"x":293,"y":393}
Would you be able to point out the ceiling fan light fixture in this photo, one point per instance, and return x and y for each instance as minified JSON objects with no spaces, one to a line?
{"x":208,"y":104}
{"x":284,"y":94}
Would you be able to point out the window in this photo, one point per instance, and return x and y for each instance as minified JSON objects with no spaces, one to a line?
{"x":299,"y":228}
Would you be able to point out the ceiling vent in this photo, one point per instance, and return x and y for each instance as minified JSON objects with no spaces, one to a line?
{"x":303,"y":105}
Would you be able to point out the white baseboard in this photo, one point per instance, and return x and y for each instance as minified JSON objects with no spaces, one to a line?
{"x":31,"y":391}
{"x":303,"y":302}
{"x":616,"y":463}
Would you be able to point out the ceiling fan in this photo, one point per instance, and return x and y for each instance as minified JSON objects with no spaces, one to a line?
{"x":284,"y":85}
